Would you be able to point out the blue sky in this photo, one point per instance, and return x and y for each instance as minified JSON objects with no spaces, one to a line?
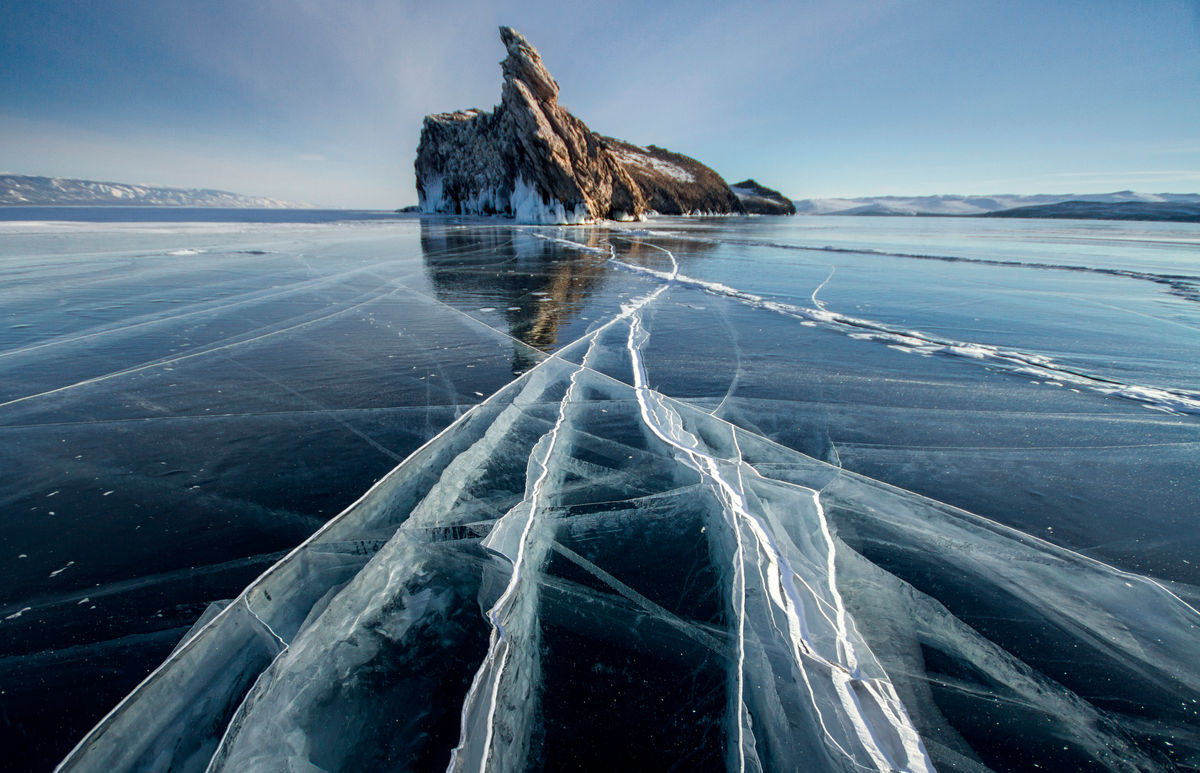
{"x":321,"y":101}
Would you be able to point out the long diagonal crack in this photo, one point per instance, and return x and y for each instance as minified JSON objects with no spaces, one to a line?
{"x":843,"y":665}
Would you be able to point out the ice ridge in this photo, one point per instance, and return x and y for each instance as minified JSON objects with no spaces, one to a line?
{"x":1174,"y":401}
{"x":1186,"y":286}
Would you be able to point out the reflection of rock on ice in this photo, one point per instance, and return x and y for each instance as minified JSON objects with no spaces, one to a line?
{"x":540,"y":281}
{"x":579,"y":560}
{"x":544,"y":285}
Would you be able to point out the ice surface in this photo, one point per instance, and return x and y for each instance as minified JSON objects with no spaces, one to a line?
{"x":706,"y":519}
{"x":455,"y":539}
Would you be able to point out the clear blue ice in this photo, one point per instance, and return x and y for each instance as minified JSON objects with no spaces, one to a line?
{"x":740,"y":494}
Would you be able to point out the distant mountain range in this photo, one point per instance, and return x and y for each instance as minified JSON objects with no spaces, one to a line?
{"x":1172,"y":211}
{"x":24,"y":190}
{"x":1122,"y":205}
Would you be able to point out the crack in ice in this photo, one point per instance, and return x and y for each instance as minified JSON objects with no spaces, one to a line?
{"x":1173,"y":401}
{"x":844,"y":670}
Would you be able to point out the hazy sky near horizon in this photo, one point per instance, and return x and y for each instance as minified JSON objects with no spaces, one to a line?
{"x":321,"y":101}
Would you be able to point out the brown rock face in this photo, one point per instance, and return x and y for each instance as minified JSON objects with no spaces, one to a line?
{"x":674,"y":184}
{"x":532,"y":160}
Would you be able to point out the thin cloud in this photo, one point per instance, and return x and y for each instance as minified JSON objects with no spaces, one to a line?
{"x":1179,"y":173}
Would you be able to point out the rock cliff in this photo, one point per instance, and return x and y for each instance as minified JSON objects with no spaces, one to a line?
{"x":532,"y":160}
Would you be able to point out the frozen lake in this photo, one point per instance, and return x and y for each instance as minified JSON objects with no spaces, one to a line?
{"x":713,"y":494}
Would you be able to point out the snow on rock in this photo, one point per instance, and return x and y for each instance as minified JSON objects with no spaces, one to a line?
{"x":675,"y":184}
{"x":647,"y":161}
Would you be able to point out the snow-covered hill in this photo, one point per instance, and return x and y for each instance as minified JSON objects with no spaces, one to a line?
{"x":1173,"y":211}
{"x":61,"y":191}
{"x":972,"y":205}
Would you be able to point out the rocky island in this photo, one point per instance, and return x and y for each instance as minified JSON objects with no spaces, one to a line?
{"x":531,"y":160}
{"x":761,"y":200}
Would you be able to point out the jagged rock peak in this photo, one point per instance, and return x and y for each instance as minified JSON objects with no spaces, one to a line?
{"x":524,"y":63}
{"x":530,"y":159}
